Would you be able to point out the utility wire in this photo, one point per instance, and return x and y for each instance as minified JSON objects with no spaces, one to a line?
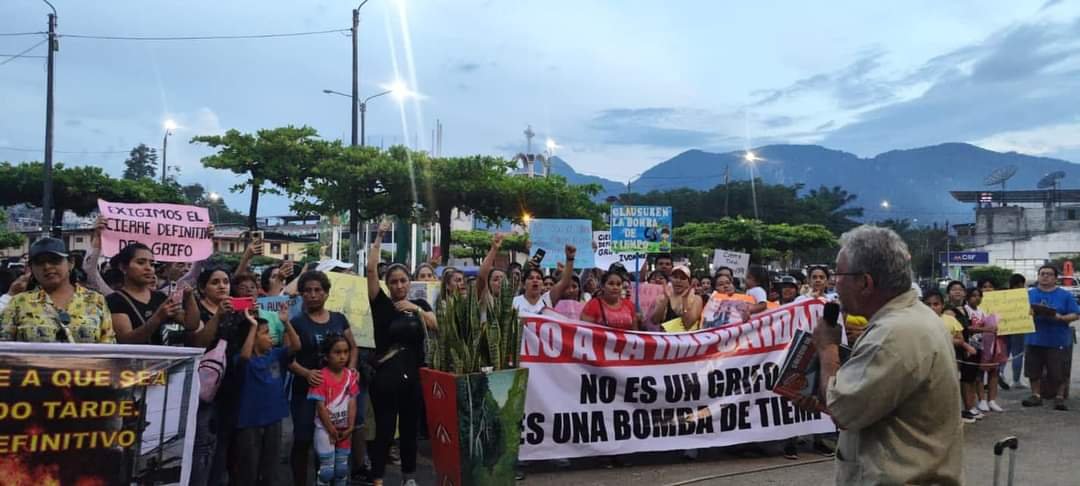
{"x":16,"y":56}
{"x":103,"y":152}
{"x":24,"y":57}
{"x":206,"y":37}
{"x":15,"y":34}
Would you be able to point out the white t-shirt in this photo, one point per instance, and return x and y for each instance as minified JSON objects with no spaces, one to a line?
{"x":758,"y":294}
{"x":523,"y":305}
{"x":828,"y":297}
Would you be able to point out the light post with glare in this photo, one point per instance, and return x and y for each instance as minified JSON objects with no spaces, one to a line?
{"x":214,"y":198}
{"x":397,"y":89}
{"x":169,"y":127}
{"x":400,"y":92}
{"x":752,"y":160}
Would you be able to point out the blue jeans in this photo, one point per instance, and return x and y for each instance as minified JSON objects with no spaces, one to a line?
{"x":1016,"y":348}
{"x":205,"y":445}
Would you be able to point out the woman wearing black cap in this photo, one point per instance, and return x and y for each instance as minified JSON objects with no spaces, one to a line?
{"x":59,"y":310}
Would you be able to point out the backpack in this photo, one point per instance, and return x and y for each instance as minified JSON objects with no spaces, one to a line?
{"x":211,"y":371}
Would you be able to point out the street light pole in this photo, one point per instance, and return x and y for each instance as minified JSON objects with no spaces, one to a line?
{"x":355,"y":70}
{"x":164,"y":155}
{"x":169,"y":127}
{"x":47,"y":196}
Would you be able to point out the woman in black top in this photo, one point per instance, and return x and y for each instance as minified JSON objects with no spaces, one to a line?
{"x":142,"y":315}
{"x":399,"y":351}
{"x":313,"y":326}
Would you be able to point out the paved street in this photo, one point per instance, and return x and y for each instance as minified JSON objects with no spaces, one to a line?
{"x":1049,"y":449}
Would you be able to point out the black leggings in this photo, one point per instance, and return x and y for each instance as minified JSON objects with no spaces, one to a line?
{"x":397,"y":403}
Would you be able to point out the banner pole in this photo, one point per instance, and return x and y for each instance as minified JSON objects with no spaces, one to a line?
{"x":637,"y":285}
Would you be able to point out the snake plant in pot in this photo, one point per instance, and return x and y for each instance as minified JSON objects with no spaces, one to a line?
{"x":474,"y":390}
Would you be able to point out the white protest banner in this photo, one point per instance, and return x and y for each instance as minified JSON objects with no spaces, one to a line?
{"x":174,"y":233}
{"x":552,"y":236}
{"x":596,"y":391}
{"x":736,"y":261}
{"x":604,"y":256}
{"x":102,"y":414}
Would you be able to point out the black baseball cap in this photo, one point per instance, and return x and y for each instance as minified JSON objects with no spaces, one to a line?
{"x":786,"y":280}
{"x":48,"y":245}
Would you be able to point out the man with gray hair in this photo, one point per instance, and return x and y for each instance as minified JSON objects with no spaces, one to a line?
{"x":896,"y":399}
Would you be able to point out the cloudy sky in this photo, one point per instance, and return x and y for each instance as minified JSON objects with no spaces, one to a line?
{"x":619,"y":85}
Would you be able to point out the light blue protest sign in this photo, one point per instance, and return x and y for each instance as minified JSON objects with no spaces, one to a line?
{"x":641,"y":228}
{"x":552,"y":235}
{"x":276,"y":303}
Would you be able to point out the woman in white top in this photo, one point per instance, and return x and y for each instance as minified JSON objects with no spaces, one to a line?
{"x":819,"y":285}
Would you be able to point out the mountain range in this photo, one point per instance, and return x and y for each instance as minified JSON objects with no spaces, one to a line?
{"x":911,"y":184}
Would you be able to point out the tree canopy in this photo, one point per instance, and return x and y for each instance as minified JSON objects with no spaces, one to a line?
{"x":274,"y":160}
{"x":141,"y":163}
{"x":77,"y":189}
{"x":832,"y":207}
{"x":762,"y":241}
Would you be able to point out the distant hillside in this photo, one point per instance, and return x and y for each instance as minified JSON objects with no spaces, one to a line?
{"x":915,"y":182}
{"x":561,"y":167}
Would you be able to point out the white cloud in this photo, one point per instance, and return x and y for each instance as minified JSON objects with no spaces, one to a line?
{"x":1043,"y":140}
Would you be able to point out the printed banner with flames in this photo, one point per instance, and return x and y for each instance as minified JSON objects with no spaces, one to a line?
{"x":96,"y":415}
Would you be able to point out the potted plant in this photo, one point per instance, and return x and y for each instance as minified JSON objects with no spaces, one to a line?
{"x":474,"y":391}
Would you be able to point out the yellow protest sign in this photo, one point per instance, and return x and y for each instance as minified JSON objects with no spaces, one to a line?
{"x":1012,"y":308}
{"x":349,"y":296}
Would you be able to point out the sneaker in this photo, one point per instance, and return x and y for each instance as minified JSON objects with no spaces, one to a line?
{"x":519,"y":475}
{"x":1002,"y":383}
{"x":561,"y":463}
{"x":1019,"y":383}
{"x":409,"y":482}
{"x":976,"y":413}
{"x":995,"y":407}
{"x":983,"y":406}
{"x":690,"y":454}
{"x":791,"y":452}
{"x":1032,"y":401}
{"x":1059,"y":404}
{"x":966,"y":417}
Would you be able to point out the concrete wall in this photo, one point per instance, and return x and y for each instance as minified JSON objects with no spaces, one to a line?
{"x":1003,"y":224}
{"x":1040,"y":247}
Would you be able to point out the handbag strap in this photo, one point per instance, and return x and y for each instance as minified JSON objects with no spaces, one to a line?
{"x":134,"y":308}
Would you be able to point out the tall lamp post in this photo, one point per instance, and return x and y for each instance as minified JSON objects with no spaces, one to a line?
{"x":399,"y":91}
{"x":752,"y":159}
{"x":213,"y":198}
{"x":362,"y":105}
{"x":47,"y":189}
{"x":169,"y":127}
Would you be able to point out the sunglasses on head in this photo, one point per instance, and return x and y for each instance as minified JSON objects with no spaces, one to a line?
{"x":64,"y":319}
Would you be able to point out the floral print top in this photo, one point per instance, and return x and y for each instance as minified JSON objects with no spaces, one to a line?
{"x":33,"y":318}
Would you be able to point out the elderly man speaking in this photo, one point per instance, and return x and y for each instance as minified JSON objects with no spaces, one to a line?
{"x":896,"y":399}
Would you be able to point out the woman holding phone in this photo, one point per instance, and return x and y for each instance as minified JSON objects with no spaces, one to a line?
{"x":220,"y":323}
{"x":142,"y":315}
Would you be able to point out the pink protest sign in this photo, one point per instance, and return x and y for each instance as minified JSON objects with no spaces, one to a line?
{"x":175,"y":233}
{"x":648,"y":294}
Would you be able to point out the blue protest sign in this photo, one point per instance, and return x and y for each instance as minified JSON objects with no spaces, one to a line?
{"x":552,"y":235}
{"x":641,"y":228}
{"x":274,"y":304}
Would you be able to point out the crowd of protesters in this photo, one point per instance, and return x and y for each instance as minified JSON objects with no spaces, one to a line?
{"x":307,"y":367}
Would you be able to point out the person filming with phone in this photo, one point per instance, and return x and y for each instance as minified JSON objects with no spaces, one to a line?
{"x":896,"y":399}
